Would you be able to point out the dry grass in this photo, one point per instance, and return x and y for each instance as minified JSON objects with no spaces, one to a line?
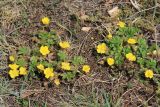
{"x":104,"y":87}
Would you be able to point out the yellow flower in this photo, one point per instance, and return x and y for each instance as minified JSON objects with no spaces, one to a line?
{"x":22,"y":71}
{"x":45,"y":20}
{"x":131,"y":57}
{"x":40,"y":66}
{"x":11,"y":58}
{"x":14,"y":73}
{"x":132,"y":41}
{"x":48,"y":72}
{"x":44,"y":50}
{"x":57,"y":82}
{"x":110,"y":61}
{"x":13,"y":66}
{"x":102,"y":48}
{"x":64,"y":44}
{"x":109,"y":36}
{"x":86,"y":68}
{"x":65,"y":66}
{"x":121,"y":24}
{"x":149,"y":73}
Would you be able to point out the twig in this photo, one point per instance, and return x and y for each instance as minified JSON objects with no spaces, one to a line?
{"x":64,"y":28}
{"x":143,"y":11}
{"x":154,"y":13}
{"x":83,"y":42}
{"x":147,"y":100}
{"x":156,"y":39}
{"x":135,"y":4}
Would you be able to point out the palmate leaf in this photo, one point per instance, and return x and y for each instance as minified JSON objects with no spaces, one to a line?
{"x":22,"y":62}
{"x":78,"y":60}
{"x":62,"y":55}
{"x":24,"y":51}
{"x":126,"y":50}
{"x":128,"y":31}
{"x":68,"y":75}
{"x":142,"y":48}
{"x":32,"y":65}
{"x":141,"y":61}
{"x":151,"y":63}
{"x":115,"y":42}
{"x":34,"y":60}
{"x":48,"y":38}
{"x":43,"y":35}
{"x":119,"y":60}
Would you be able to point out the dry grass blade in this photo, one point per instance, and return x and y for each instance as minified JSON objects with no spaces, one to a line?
{"x":135,"y":4}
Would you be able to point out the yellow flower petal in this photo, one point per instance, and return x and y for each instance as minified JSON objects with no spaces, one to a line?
{"x":109,"y":36}
{"x":131,"y":57}
{"x":65,"y":66}
{"x":57,"y":82}
{"x":45,"y":20}
{"x":13,"y":66}
{"x":64,"y":44}
{"x":48,"y":72}
{"x":14,"y":73}
{"x":149,"y":73}
{"x":110,"y":61}
{"x":121,"y":24}
{"x":44,"y":50}
{"x":86,"y":68}
{"x":11,"y":58}
{"x":132,"y":41}
{"x":40,"y":67}
{"x":102,"y":48}
{"x":23,"y":71}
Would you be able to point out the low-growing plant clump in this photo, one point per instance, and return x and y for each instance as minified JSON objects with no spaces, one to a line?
{"x":126,"y":47}
{"x":47,"y":58}
{"x":88,"y":53}
{"x":48,"y":55}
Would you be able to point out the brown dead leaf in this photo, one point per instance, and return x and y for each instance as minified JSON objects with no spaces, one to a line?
{"x":84,"y":17}
{"x":101,"y":62}
{"x":60,"y":32}
{"x":156,"y":52}
{"x":26,"y":94}
{"x":86,"y":29}
{"x":35,"y":39}
{"x":114,"y":12}
{"x":45,"y":84}
{"x":51,"y":56}
{"x":108,"y":2}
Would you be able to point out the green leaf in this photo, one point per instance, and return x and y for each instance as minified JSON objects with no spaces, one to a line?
{"x":78,"y":60}
{"x":46,"y":64}
{"x":48,"y":38}
{"x":35,"y":52}
{"x":32,"y":65}
{"x":128,"y":31}
{"x":43,"y":35}
{"x":68,"y":75}
{"x":151,"y":63}
{"x":142,"y":48}
{"x":115,"y":42}
{"x":119,"y":58}
{"x":34,"y":60}
{"x":126,"y":50}
{"x":24,"y":51}
{"x":62,"y":55}
{"x":21,"y":62}
{"x":141,"y":61}
{"x":50,"y":42}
